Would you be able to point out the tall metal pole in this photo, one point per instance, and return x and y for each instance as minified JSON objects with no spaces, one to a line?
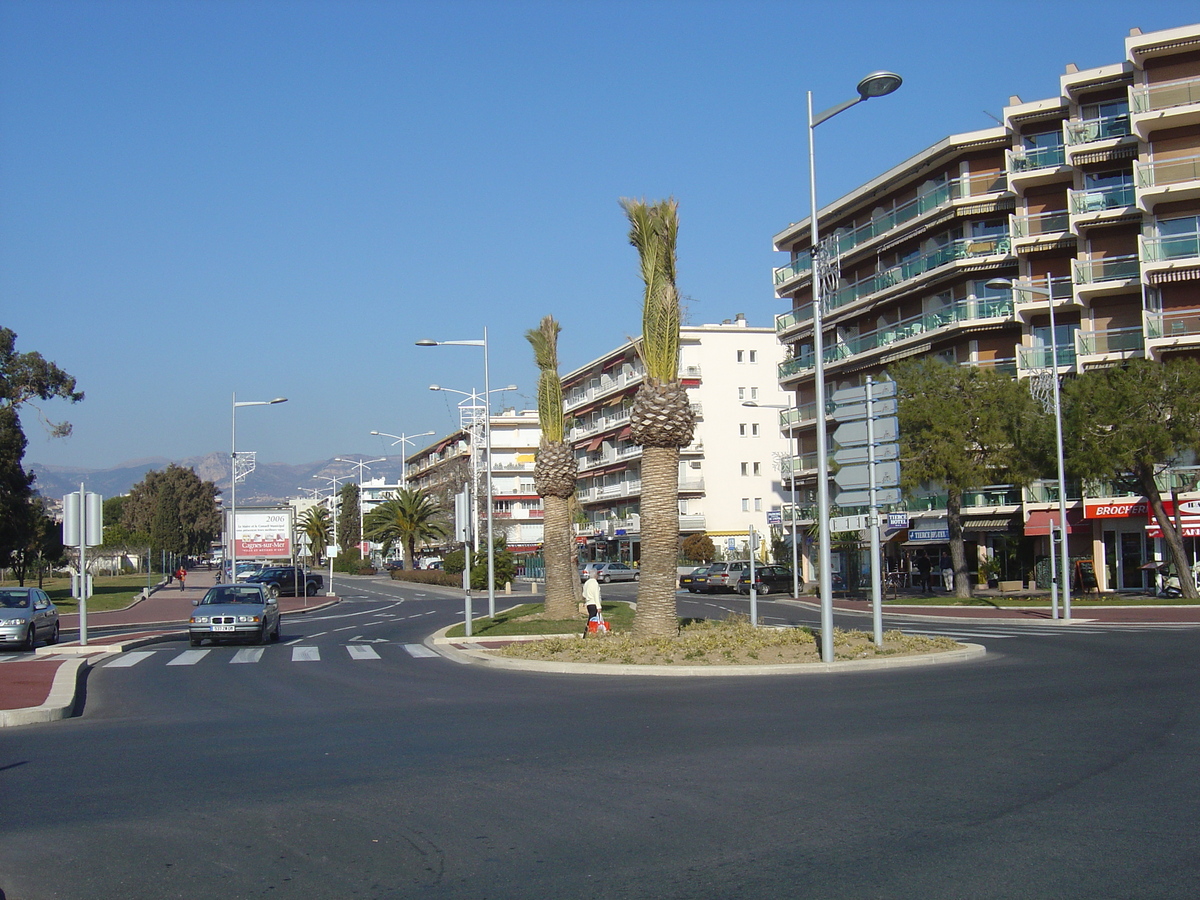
{"x":824,"y":556}
{"x":487,"y":442}
{"x":1058,"y":442}
{"x":233,"y":495}
{"x":873,"y":519}
{"x":795,"y":549}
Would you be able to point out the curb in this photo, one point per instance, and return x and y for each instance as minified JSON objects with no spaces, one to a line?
{"x":444,"y":646}
{"x":59,"y":704}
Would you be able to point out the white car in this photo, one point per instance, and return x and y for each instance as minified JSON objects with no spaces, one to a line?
{"x":605,"y":572}
{"x":26,"y":614}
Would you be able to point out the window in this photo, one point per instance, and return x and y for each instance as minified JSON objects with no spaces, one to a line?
{"x":741,"y":356}
{"x":758,"y":468}
{"x":758,"y":504}
{"x":745,"y":504}
{"x":754,"y":430}
{"x":746,"y":469}
{"x":742,"y":430}
{"x":741,"y":393}
{"x":753,"y":393}
{"x":753,"y":356}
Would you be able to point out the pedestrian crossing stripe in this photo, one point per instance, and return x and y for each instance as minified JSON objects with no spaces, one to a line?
{"x":256,"y":654}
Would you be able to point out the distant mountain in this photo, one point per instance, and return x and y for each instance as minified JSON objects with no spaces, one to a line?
{"x":268,"y":483}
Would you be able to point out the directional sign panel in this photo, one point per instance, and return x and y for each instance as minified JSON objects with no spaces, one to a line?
{"x":854,"y":411}
{"x":879,"y":390}
{"x":848,"y":455}
{"x":883,"y":496}
{"x":887,"y":474}
{"x":849,"y":523}
{"x":851,"y":434}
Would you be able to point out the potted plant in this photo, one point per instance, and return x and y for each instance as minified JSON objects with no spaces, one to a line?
{"x":989,"y":572}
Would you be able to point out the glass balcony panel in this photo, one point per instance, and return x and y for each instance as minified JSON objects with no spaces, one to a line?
{"x":794,"y":269}
{"x":787,"y":321}
{"x":797,"y":415}
{"x":1112,"y":340}
{"x":1175,"y":246}
{"x":1040,"y":357}
{"x":1158,"y":173}
{"x":1087,"y":130}
{"x":1176,"y":323}
{"x":1039,"y":223}
{"x":1032,"y":158}
{"x":1110,"y":268}
{"x":1166,"y":95}
{"x":1095,"y":200}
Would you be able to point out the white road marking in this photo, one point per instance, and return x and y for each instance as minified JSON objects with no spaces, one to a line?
{"x":248,"y":655}
{"x":361,"y":651}
{"x":420,"y":651}
{"x":189,"y":657}
{"x":306,"y":654}
{"x":345,"y":628}
{"x":125,"y":660}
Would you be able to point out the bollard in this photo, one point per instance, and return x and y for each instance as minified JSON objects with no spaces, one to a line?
{"x":533,"y":587}
{"x":508,"y":587}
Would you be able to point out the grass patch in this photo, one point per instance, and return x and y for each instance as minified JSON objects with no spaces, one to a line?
{"x":732,"y":641}
{"x":529,"y":619}
{"x":108,"y":591}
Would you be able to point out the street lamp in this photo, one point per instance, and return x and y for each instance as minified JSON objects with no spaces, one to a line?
{"x":1056,"y":409}
{"x":877,"y":84}
{"x":402,"y":439}
{"x":792,"y":475}
{"x":487,"y":442}
{"x":362,"y":464}
{"x":334,"y":484}
{"x":482,"y":401}
{"x":237,"y":404}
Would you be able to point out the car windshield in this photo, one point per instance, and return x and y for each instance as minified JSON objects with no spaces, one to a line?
{"x":14,"y":599}
{"x":232,"y":595}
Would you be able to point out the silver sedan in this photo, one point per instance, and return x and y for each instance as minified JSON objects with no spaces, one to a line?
{"x":27,"y":615}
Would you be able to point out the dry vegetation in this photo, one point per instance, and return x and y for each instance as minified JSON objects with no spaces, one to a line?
{"x":724,"y":643}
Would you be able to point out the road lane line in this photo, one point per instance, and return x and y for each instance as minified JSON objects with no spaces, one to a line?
{"x":125,"y":660}
{"x":189,"y":657}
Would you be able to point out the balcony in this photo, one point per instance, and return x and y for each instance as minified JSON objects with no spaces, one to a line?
{"x":792,"y":271}
{"x":1164,"y":180}
{"x":785,"y":322}
{"x":1097,"y":204}
{"x":1039,"y":227}
{"x":1033,"y":165}
{"x":1171,"y":104}
{"x":1082,"y":132}
{"x":1029,"y":294}
{"x":1109,"y":345}
{"x":607,"y":384}
{"x":692,"y":523}
{"x":691,"y":486}
{"x":1167,"y":252}
{"x":797,"y":416}
{"x":1107,"y":275}
{"x":1034,"y":358}
{"x":1177,"y":327}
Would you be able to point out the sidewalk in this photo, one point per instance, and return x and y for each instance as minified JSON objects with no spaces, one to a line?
{"x":44,"y":688}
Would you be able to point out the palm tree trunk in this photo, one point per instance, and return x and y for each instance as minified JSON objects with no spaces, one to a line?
{"x":660,"y":542}
{"x":558,"y":552}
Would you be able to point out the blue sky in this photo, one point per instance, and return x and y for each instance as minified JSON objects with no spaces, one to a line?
{"x":278,"y":198}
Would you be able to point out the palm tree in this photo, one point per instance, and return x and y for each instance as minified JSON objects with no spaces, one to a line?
{"x":661,"y":419}
{"x":317,"y":525}
{"x":554,"y":475}
{"x":409,"y":518}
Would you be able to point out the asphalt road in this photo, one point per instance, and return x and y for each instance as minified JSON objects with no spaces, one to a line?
{"x":1062,"y":765}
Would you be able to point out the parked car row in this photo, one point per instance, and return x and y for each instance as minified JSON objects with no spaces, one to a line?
{"x":287,"y":581}
{"x":735,"y":576}
{"x":608,"y":571}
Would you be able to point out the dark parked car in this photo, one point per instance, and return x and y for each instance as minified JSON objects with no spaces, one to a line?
{"x":26,"y":614}
{"x":287,"y":581}
{"x":235,"y":611}
{"x":692,"y":579}
{"x":767,"y":580}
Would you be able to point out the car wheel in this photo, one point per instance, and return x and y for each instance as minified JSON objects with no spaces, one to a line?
{"x":273,"y":591}
{"x":263,"y":635}
{"x":310,"y":589}
{"x":275,"y":633}
{"x":763,"y":590}
{"x":53,"y":639}
{"x":603,"y":579}
{"x":637,"y":575}
{"x":31,"y":638}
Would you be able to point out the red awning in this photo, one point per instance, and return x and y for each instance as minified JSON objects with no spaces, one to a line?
{"x":595,"y":444}
{"x":624,"y":433}
{"x":1039,"y":522}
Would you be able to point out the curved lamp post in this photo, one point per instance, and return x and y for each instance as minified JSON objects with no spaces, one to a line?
{"x":334,"y":484}
{"x":402,"y":439}
{"x":877,"y":84}
{"x":237,"y":404}
{"x":362,"y":464}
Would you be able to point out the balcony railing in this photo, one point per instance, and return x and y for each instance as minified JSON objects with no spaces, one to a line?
{"x":1084,"y":131}
{"x":1004,"y":366}
{"x":1028,"y":159}
{"x":1109,"y":268}
{"x":1111,"y":340}
{"x":1176,"y":323}
{"x":1169,"y":247}
{"x":1158,"y":173}
{"x":1040,"y":357}
{"x":1150,"y":98}
{"x":1039,"y":223}
{"x":1033,"y":291}
{"x":787,"y":321}
{"x":1094,"y":200}
{"x":794,"y":269}
{"x":1047,"y":491}
{"x":797,"y":415}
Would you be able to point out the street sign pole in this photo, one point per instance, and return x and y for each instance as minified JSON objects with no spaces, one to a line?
{"x":753,"y":593}
{"x":876,"y":601}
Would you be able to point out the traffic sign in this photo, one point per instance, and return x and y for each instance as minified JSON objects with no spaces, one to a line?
{"x":887,"y":474}
{"x":849,"y":523}
{"x":883,"y":496}
{"x":849,"y":434}
{"x":854,"y":411}
{"x":848,"y":455}
{"x":774,"y":516}
{"x":879,"y":390}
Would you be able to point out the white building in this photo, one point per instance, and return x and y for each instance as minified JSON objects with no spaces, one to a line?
{"x":729,"y":477}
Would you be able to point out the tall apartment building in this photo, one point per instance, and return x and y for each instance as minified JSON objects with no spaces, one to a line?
{"x":729,"y":476}
{"x":1093,"y":196}
{"x":447,"y":465}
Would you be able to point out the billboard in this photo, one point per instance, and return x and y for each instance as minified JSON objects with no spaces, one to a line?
{"x":263,"y":532}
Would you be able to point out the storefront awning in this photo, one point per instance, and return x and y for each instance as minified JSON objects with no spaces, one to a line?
{"x":989,"y":523}
{"x":1039,"y":521}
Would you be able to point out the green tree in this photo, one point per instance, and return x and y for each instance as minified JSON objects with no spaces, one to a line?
{"x":411,"y":517}
{"x":349,"y":528}
{"x":1129,"y":425}
{"x":175,"y":508}
{"x":962,"y":427}
{"x":504,"y":565}
{"x":661,"y":419}
{"x":698,"y":547}
{"x":317,"y":526}
{"x":555,"y":474}
{"x":24,"y":378}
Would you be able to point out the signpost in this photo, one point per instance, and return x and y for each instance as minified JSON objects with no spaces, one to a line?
{"x":83,"y":527}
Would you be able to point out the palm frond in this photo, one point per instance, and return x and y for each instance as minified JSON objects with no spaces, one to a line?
{"x":544,"y":340}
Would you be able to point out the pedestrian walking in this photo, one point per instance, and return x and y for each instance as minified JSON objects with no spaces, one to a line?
{"x":591,"y":597}
{"x":924,"y":567}
{"x":947,"y":567}
{"x":181,"y":574}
